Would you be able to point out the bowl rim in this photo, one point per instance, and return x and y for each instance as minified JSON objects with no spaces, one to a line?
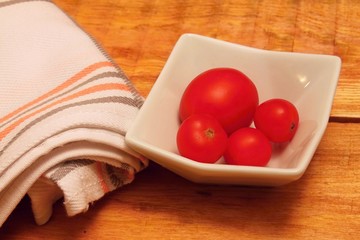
{"x":146,"y":148}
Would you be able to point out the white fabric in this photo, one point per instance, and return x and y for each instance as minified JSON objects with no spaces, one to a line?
{"x":64,"y":110}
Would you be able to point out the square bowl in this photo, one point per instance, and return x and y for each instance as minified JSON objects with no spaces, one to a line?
{"x":307,"y":80}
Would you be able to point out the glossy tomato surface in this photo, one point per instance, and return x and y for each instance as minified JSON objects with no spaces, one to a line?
{"x":248,"y":146}
{"x":278,"y":119}
{"x":225,"y":93}
{"x":201,"y":138}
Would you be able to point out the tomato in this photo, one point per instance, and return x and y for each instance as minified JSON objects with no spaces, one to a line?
{"x":248,"y":146}
{"x":201,"y":138}
{"x":225,"y":93}
{"x":278,"y":119}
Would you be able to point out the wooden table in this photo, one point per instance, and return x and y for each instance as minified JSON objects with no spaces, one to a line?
{"x":139,"y":35}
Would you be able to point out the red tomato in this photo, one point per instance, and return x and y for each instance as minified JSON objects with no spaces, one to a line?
{"x":248,"y":146}
{"x":278,"y":119}
{"x":225,"y":93}
{"x":201,"y":138}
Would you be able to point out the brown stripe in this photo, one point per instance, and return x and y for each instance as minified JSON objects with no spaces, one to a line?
{"x":65,"y":168}
{"x":138,"y":98}
{"x":77,"y":77}
{"x":122,"y":100}
{"x":84,"y":92}
{"x":94,"y":78}
{"x":118,"y":176}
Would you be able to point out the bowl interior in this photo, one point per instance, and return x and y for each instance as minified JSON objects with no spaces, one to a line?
{"x":307,"y":80}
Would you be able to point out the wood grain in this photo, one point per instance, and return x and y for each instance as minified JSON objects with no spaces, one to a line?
{"x":139,"y":35}
{"x":323,"y":204}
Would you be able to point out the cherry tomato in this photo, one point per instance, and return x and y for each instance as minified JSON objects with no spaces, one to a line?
{"x":248,"y":146}
{"x":278,"y":119}
{"x":225,"y":93}
{"x":201,"y":138}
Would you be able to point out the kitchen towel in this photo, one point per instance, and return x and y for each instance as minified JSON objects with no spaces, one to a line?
{"x":65,"y":107}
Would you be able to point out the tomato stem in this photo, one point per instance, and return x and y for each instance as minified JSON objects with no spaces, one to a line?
{"x":293,"y":125}
{"x":210,"y":133}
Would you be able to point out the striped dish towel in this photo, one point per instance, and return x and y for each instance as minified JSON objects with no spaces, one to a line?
{"x":64,"y":110}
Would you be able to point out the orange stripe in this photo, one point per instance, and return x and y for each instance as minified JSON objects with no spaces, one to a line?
{"x":65,"y":84}
{"x":100,"y":176}
{"x":97,"y":88}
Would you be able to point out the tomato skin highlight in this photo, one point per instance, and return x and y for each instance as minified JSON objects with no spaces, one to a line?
{"x":201,"y":138}
{"x":248,"y":147}
{"x":278,"y":119}
{"x":225,"y":93}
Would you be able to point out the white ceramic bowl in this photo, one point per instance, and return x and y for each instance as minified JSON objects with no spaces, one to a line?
{"x":307,"y":80}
